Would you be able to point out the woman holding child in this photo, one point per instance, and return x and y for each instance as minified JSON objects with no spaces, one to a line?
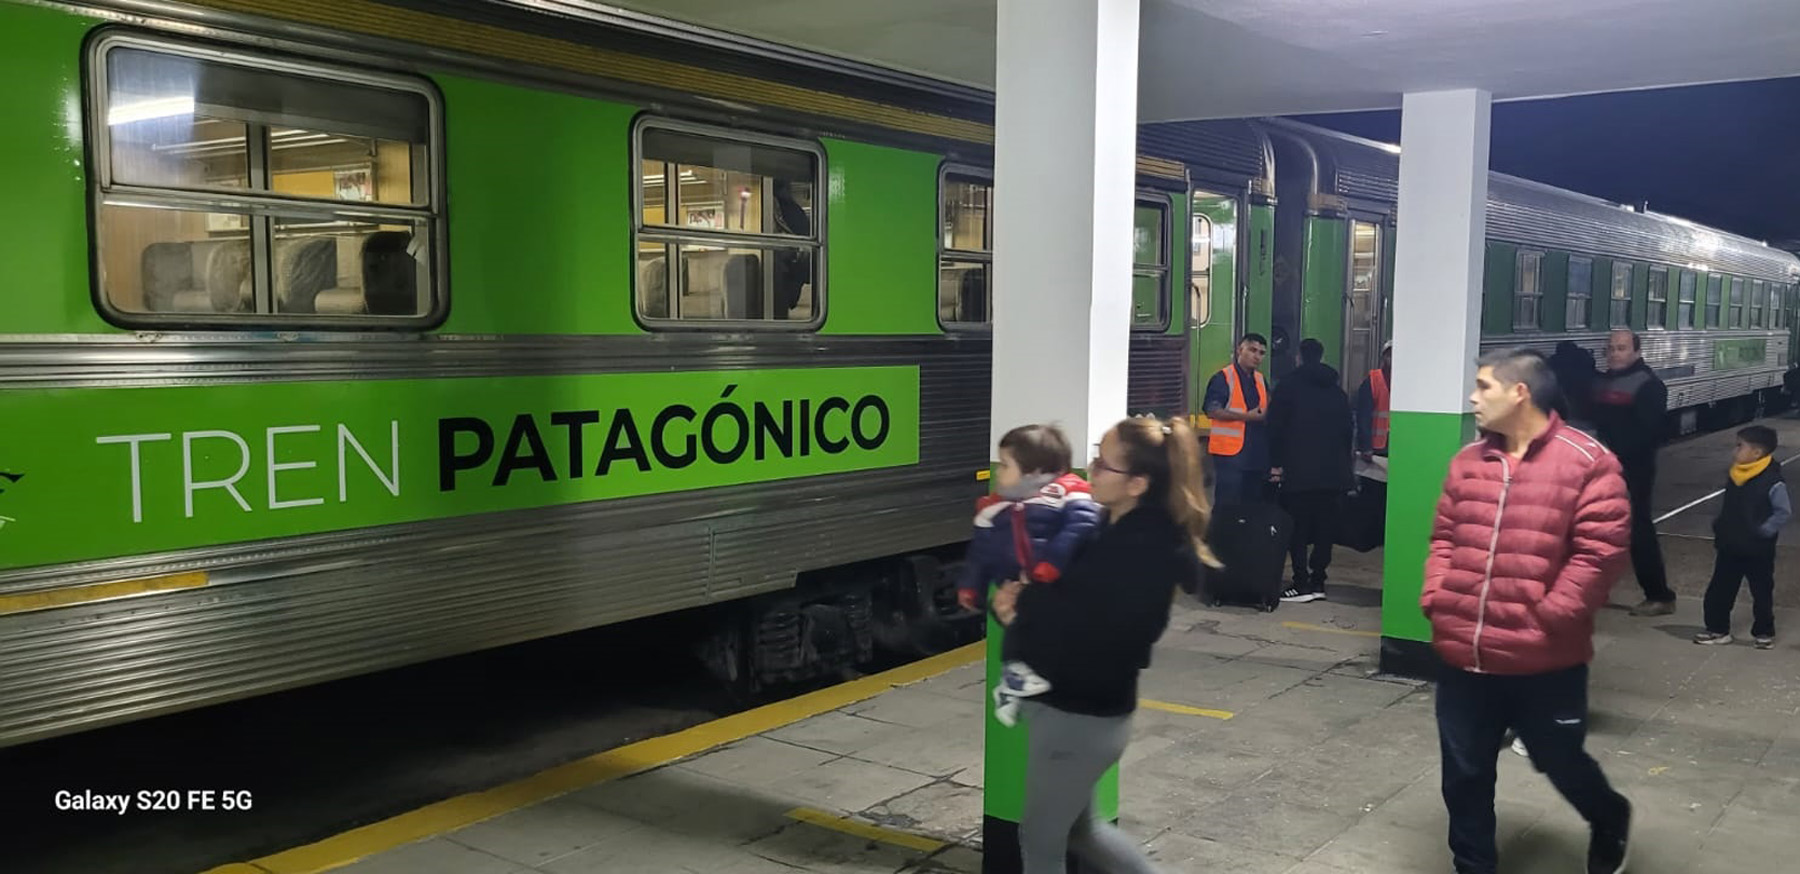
{"x":1088,"y":632}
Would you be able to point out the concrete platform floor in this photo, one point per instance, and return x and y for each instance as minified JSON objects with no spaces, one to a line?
{"x":1323,"y":768}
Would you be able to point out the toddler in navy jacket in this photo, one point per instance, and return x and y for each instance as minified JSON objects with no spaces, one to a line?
{"x":1030,"y":528}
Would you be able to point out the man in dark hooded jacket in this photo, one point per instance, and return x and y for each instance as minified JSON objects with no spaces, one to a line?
{"x":1309,"y":450}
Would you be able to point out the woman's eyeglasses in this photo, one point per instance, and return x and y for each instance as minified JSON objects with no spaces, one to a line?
{"x":1100,"y":466}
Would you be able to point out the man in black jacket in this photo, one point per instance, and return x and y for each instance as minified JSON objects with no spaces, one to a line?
{"x":1628,"y":404}
{"x":1309,"y":451}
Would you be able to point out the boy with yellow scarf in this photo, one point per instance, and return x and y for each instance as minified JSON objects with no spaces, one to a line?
{"x":1756,"y":506}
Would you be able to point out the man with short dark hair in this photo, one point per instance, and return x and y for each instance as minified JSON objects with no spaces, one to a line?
{"x":1237,"y":403}
{"x":1628,"y":404}
{"x":1309,"y":454}
{"x":1530,"y":532}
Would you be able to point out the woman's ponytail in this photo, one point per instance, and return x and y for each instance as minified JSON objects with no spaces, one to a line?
{"x":1187,"y":487}
{"x":1168,"y":454}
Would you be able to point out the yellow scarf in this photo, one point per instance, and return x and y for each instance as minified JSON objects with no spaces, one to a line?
{"x":1743,"y":473}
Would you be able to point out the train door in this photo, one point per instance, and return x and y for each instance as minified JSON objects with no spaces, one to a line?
{"x":1216,"y":306}
{"x":1365,"y":314}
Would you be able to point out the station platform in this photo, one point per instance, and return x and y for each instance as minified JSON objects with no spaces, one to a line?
{"x":1266,"y":744}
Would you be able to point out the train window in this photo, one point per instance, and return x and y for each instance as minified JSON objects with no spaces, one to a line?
{"x":1620,"y":314}
{"x":965,"y":249}
{"x":1200,"y":271}
{"x":1685,"y":300}
{"x":232,"y":187}
{"x":1715,"y":292}
{"x":1759,"y":299}
{"x":1737,"y":302}
{"x":1150,"y":265}
{"x":727,"y":230}
{"x":1580,"y":305}
{"x":1659,"y":298}
{"x":1528,"y":291}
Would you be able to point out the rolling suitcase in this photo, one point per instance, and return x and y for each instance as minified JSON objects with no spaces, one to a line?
{"x":1251,"y":540}
{"x":1363,"y":524}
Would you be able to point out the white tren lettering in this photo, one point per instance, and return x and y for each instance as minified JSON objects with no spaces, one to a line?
{"x":274,"y":502}
{"x":137,"y":482}
{"x":229,"y":484}
{"x":347,"y":439}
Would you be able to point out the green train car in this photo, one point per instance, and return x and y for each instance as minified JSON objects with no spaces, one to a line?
{"x":343,"y":335}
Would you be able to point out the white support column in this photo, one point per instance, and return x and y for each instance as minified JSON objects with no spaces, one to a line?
{"x":1065,"y":158}
{"x":1065,"y":165}
{"x":1438,"y":274}
{"x":1440,"y":247}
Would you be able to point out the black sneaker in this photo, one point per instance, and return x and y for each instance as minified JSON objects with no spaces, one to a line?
{"x":1607,"y":850}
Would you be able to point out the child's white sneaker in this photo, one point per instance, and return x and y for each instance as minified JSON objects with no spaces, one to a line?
{"x":1017,"y":681}
{"x":1021,"y":681}
{"x":1006,"y":707}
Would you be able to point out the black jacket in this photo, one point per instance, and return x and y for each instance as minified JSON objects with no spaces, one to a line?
{"x":1310,"y":431}
{"x":1575,"y":375}
{"x":1743,"y":512}
{"x":1627,"y":409}
{"x":1090,"y":632}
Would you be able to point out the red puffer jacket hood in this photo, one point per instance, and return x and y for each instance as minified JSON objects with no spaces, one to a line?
{"x":1524,"y":552}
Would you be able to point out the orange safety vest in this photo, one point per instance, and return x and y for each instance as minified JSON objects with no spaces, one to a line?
{"x":1379,"y":388}
{"x":1227,"y":438}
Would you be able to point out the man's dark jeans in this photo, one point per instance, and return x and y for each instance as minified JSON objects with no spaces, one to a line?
{"x":1549,"y":713}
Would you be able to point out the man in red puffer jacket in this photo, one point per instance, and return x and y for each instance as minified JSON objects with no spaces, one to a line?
{"x":1533,"y":528}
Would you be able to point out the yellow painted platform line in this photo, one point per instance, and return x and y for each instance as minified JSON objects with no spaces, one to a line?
{"x":1308,"y":626}
{"x":1184,"y":710}
{"x":865,"y":830}
{"x":463,"y":810}
{"x":27,"y":601}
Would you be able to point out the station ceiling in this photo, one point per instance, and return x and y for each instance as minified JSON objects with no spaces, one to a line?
{"x":1204,"y":59}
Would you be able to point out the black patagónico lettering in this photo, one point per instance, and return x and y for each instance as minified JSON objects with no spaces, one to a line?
{"x":709,"y":431}
{"x":524,"y":430}
{"x":622,"y":444}
{"x":768,"y":430}
{"x":857,"y":429}
{"x":575,"y":421}
{"x":449,"y":460}
{"x":832,"y":446}
{"x":659,"y":435}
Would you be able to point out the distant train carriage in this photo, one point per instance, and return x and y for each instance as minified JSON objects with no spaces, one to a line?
{"x":1716,"y":311}
{"x":347,"y":335}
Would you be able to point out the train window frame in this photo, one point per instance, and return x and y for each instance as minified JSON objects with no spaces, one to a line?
{"x":947,"y":254}
{"x":258,"y":208}
{"x":1578,"y":307}
{"x":1687,"y":305}
{"x":1715,"y":301}
{"x":1654,"y":318}
{"x":674,"y":237}
{"x":1200,"y":264}
{"x":1619,"y":300}
{"x":1759,"y":299}
{"x":1735,"y":303}
{"x":1161,"y":270}
{"x":1535,"y":293}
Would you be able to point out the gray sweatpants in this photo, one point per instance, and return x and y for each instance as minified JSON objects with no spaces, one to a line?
{"x":1066,"y":753}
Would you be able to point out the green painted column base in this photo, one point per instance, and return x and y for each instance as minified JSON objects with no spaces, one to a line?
{"x":1409,"y":658}
{"x":1419,"y":453}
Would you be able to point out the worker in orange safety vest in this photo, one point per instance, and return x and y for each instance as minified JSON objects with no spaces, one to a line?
{"x":1372,"y":406}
